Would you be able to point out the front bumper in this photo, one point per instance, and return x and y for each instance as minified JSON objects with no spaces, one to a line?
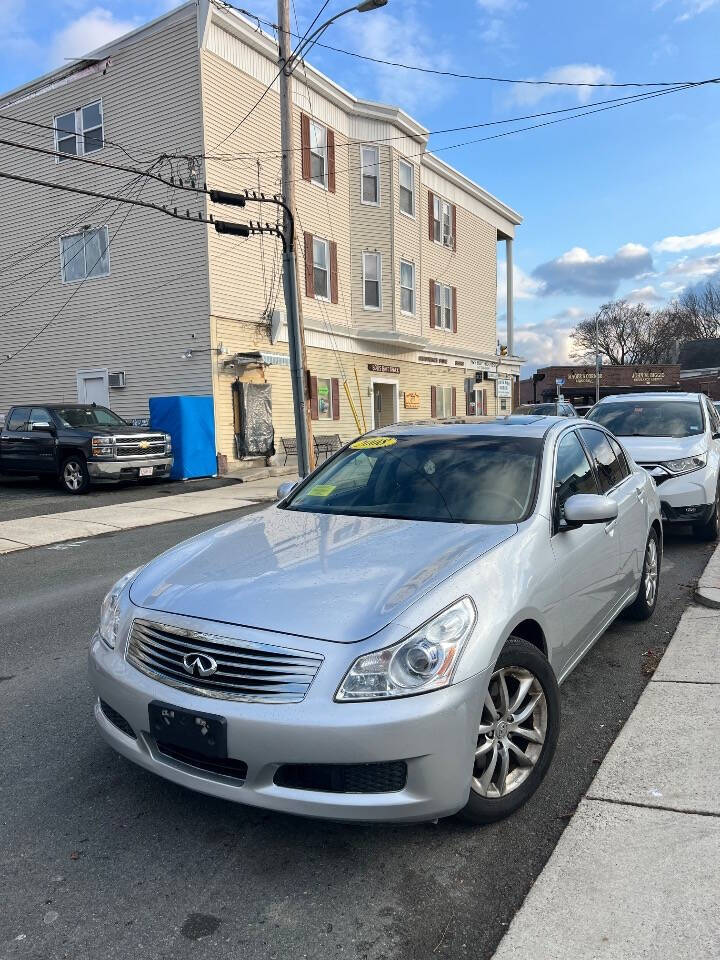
{"x":434,"y":733}
{"x":114,"y":470}
{"x":689,"y":498}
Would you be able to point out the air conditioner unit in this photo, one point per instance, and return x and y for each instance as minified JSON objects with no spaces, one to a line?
{"x":117,"y":379}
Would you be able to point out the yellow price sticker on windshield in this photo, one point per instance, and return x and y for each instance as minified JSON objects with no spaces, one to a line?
{"x":372,"y":443}
{"x":321,"y":490}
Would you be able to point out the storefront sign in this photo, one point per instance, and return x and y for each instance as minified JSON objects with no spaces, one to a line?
{"x":412,"y":401}
{"x":443,"y":360}
{"x":450,"y":361}
{"x":504,"y":388}
{"x":648,"y":376}
{"x":581,"y":376}
{"x":382,"y":368}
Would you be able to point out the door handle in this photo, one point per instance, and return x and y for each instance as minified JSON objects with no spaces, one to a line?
{"x":610,"y":527}
{"x":640,"y":494}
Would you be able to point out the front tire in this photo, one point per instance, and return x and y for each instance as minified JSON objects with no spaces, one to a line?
{"x":74,"y":476}
{"x":644,"y":604}
{"x":517,"y":735}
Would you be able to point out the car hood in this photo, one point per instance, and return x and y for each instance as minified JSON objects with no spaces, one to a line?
{"x":660,"y":449}
{"x":315,"y":575}
{"x":120,"y":431}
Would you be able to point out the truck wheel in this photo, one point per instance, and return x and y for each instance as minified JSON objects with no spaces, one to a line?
{"x":74,"y":476}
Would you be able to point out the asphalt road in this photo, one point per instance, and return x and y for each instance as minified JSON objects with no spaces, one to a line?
{"x":31,"y":496}
{"x":101,"y":859}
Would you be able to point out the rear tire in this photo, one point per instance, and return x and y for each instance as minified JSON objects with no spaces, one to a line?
{"x":74,"y":476}
{"x":709,"y":531}
{"x":643,"y":607}
{"x":517,"y":738}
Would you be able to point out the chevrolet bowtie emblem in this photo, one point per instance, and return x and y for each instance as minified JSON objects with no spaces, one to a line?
{"x":144,"y":444}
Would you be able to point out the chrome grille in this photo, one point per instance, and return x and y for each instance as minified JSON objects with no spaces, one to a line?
{"x":245,"y":670}
{"x":140,"y":445}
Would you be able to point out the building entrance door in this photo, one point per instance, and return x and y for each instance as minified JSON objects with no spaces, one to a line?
{"x":384,"y":404}
{"x":92,"y":387}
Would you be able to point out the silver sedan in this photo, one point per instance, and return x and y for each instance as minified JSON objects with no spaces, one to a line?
{"x":386,"y":641}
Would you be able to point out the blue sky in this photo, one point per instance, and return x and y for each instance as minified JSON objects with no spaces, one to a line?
{"x":626,"y":202}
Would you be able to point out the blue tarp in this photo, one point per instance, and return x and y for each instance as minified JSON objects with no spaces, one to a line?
{"x":190,"y":421}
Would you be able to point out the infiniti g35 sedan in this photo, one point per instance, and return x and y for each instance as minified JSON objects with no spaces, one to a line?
{"x":386,"y":641}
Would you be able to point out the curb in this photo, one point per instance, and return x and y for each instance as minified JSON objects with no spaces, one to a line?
{"x":707,"y":591}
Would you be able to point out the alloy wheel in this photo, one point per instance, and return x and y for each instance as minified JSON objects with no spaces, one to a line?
{"x":72,"y":475}
{"x":512,"y":732}
{"x":651,"y":572}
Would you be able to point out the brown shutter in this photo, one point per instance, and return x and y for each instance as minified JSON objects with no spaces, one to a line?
{"x":433,"y":401}
{"x":454,"y":309}
{"x":454,"y":402}
{"x":335,"y":384}
{"x":309,"y":275}
{"x":432,"y":303}
{"x":312,"y":382}
{"x":333,"y":272}
{"x":305,"y":145}
{"x":454,"y":226}
{"x":331,"y":159}
{"x":431,"y":215}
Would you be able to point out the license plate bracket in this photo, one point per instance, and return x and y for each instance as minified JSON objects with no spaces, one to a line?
{"x":202,"y":733}
{"x":145,"y":472}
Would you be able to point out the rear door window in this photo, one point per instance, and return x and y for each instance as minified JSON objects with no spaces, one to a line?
{"x":610,"y":470}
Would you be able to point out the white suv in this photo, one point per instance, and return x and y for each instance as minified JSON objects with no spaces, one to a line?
{"x":676,"y":438}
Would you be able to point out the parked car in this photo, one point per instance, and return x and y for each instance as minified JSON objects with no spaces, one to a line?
{"x":386,"y":642}
{"x":676,"y":438}
{"x":584,"y":410}
{"x":79,"y":443}
{"x":559,"y":408}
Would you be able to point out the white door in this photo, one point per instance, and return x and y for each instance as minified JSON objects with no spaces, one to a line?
{"x":92,"y":387}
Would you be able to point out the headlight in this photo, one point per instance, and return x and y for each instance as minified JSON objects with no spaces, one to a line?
{"x":686,"y":464}
{"x":109,"y":614}
{"x":168,"y":443}
{"x":421,"y":662}
{"x":102,"y":446}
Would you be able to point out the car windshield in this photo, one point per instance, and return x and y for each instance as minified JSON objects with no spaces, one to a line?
{"x":650,"y":418}
{"x":90,"y":416}
{"x":539,"y":409}
{"x":457,"y":479}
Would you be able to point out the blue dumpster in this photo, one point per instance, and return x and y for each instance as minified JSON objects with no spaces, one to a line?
{"x":190,"y":421}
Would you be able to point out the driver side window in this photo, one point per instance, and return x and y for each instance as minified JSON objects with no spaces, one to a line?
{"x":573,"y":474}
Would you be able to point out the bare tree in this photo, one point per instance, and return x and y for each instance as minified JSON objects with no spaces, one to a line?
{"x":696,"y":312}
{"x":622,"y":334}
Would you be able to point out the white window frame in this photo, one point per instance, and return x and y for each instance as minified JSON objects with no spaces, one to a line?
{"x":407,"y":263}
{"x":327,"y":268}
{"x":79,"y":131}
{"x":401,"y":164}
{"x":321,"y":152}
{"x":443,"y":302}
{"x":443,"y":398}
{"x":378,"y":257}
{"x":82,"y":233}
{"x":329,"y":414}
{"x":442,"y":215}
{"x":363,"y":166}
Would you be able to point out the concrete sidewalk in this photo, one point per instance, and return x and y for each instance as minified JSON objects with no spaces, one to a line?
{"x":636,"y":874}
{"x":91,"y":522}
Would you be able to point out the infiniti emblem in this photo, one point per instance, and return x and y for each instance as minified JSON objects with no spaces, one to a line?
{"x":199,"y":665}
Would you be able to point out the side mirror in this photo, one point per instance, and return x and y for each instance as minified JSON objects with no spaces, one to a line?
{"x":285,"y":489}
{"x":589,"y":508}
{"x":43,"y":426}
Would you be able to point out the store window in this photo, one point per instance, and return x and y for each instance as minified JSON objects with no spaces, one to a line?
{"x":324,"y":398}
{"x":443,"y":401}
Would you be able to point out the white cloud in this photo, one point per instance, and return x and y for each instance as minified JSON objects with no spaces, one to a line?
{"x":577,"y":271}
{"x":574,"y":73}
{"x":502,"y":7}
{"x":542,"y":344}
{"x":525,"y":287}
{"x":710,"y":238}
{"x":644,"y":295}
{"x":695,"y":267}
{"x":88,"y":32}
{"x":693,"y":8}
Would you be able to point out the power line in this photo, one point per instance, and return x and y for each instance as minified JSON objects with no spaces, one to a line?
{"x":461,"y":76}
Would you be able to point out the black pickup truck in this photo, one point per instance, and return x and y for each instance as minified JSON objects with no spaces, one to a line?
{"x":78,"y":443}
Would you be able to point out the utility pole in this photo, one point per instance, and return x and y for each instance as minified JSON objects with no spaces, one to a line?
{"x":293,"y":309}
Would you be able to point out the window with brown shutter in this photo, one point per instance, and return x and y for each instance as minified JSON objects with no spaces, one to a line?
{"x":431,"y":215}
{"x":433,"y":401}
{"x":454,"y":309}
{"x":309,"y":276}
{"x":305,"y":145}
{"x":335,"y":398}
{"x":333,"y":272}
{"x":313,"y":391}
{"x":432,"y":304}
{"x":331,"y":159}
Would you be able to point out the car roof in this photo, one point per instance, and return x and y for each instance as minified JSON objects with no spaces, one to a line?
{"x":52,"y":405}
{"x":657,"y":395}
{"x":521,"y":426}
